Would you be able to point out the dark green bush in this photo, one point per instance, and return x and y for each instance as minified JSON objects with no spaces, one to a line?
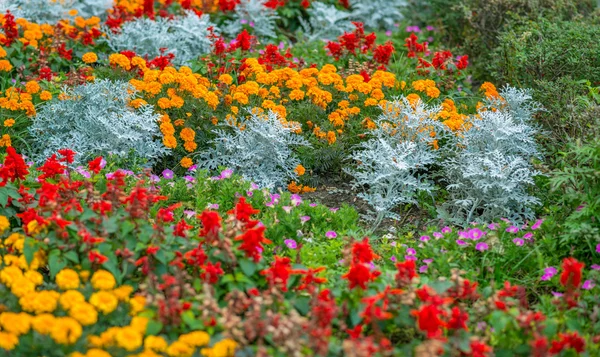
{"x":560,"y":61}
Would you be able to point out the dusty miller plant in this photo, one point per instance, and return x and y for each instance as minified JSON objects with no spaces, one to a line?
{"x":259,"y":147}
{"x":378,"y":14}
{"x":96,"y":119}
{"x":392,"y":164}
{"x":186,"y":37}
{"x":255,"y":14}
{"x":489,"y":178}
{"x":47,"y":11}
{"x":325,"y":22}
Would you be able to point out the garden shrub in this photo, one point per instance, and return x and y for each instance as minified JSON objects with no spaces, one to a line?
{"x":45,"y":11}
{"x":556,"y":60}
{"x":259,"y":147}
{"x":578,"y":182}
{"x":378,"y":14}
{"x":325,"y":22}
{"x":96,"y":119}
{"x":186,"y":37}
{"x":488,"y":179}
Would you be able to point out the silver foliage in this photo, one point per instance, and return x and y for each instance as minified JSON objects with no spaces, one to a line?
{"x":256,"y":14}
{"x":378,"y":14}
{"x":326,"y":22}
{"x":186,"y":37}
{"x":489,"y":178}
{"x":392,"y":164}
{"x":96,"y":119}
{"x":259,"y":147}
{"x":47,"y":11}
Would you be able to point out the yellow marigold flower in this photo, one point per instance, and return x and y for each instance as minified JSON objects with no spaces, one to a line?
{"x":17,"y":323}
{"x":104,"y":301}
{"x":123,"y":292}
{"x":226,"y":79}
{"x":84,"y":275}
{"x":66,"y":330}
{"x":413,"y":98}
{"x":10,"y":274}
{"x":129,"y":338}
{"x":8,"y":341}
{"x":32,"y":87}
{"x":39,"y":302}
{"x":4,"y":223}
{"x":186,"y":162}
{"x":84,"y":313}
{"x":22,"y":287}
{"x":45,"y":95}
{"x":5,"y":66}
{"x":164,"y":103}
{"x":137,"y":103}
{"x":155,"y":343}
{"x":331,"y":138}
{"x":103,"y":280}
{"x":235,"y":110}
{"x":35,"y":277}
{"x":490,"y":90}
{"x":139,"y":323}
{"x":5,"y":141}
{"x":43,"y":323}
{"x":166,"y":78}
{"x":2,"y":52}
{"x":180,"y":349}
{"x":187,"y":134}
{"x":190,"y":146}
{"x":195,"y":339}
{"x":89,"y":58}
{"x":223,"y":348}
{"x":96,"y":352}
{"x":138,"y":62}
{"x":67,"y":279}
{"x":170,"y":141}
{"x":137,"y":304}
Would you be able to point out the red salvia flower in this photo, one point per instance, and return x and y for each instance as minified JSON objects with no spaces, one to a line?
{"x":95,"y":165}
{"x":458,"y":319}
{"x":360,"y":275}
{"x":211,"y":223}
{"x":244,"y":40}
{"x":362,"y":252}
{"x":383,"y":53}
{"x":51,"y":168}
{"x":243,"y":211}
{"x":480,"y":349}
{"x":571,"y":275}
{"x":14,"y":167}
{"x":407,"y":270}
{"x":96,"y":257}
{"x":429,"y":320}
{"x":252,"y":242}
{"x":278,"y":274}
{"x":68,"y":155}
{"x":211,"y":273}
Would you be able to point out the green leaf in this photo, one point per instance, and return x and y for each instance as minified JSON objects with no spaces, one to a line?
{"x":248,"y":267}
{"x":111,"y":266}
{"x":72,"y":256}
{"x":55,"y":262}
{"x":302,"y":305}
{"x":153,"y":328}
{"x":111,"y":225}
{"x":29,"y":249}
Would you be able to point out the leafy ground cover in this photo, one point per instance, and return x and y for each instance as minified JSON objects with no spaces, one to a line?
{"x":298,"y":178}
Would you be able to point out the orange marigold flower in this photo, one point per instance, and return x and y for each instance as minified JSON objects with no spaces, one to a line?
{"x":187,"y":134}
{"x":170,"y":141}
{"x":299,"y":170}
{"x":186,"y":162}
{"x":89,"y":58}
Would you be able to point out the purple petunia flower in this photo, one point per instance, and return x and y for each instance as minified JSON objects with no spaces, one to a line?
{"x":461,"y":242}
{"x":410,"y":257}
{"x":492,"y":226}
{"x":290,"y":243}
{"x":423,"y":269}
{"x":512,"y":229}
{"x":213,"y":206}
{"x":557,"y":294}
{"x":225,"y":174}
{"x":537,"y":224}
{"x":424,"y":238}
{"x":334,"y":209}
{"x":304,"y":219}
{"x":430,"y":28}
{"x":189,"y":213}
{"x":393,"y":244}
{"x":475,"y":233}
{"x":168,"y":174}
{"x":595,"y":267}
{"x":598,"y":248}
{"x":528,"y":235}
{"x":588,"y":285}
{"x":437,"y":235}
{"x":83,"y":172}
{"x":393,"y":258}
{"x":446,"y":230}
{"x":313,"y":205}
{"x":331,"y":234}
{"x":549,"y":272}
{"x":481,"y":246}
{"x":411,"y":251}
{"x":189,"y":178}
{"x":518,"y":241}
{"x":428,"y":261}
{"x":287,"y":209}
{"x":296,"y":199}
{"x":388,"y":33}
